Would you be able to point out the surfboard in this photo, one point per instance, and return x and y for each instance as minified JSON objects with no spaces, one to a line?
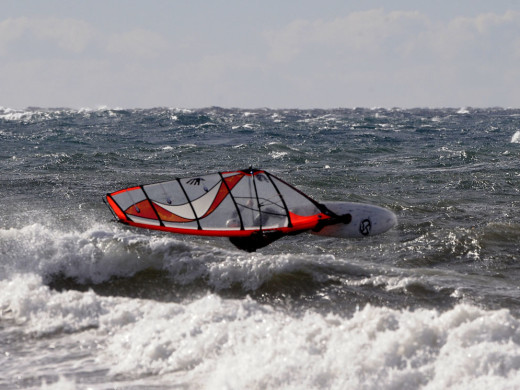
{"x":367,"y":220}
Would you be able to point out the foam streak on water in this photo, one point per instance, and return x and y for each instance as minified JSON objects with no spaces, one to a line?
{"x":432,"y":304}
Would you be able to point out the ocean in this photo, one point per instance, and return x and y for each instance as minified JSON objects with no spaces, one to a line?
{"x":434,"y":303}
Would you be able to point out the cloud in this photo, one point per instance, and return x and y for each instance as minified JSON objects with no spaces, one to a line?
{"x":377,"y":33}
{"x":75,"y":37}
{"x":479,"y":38}
{"x":367,"y":32}
{"x":138,"y":43}
{"x":68,"y":34}
{"x":11,"y":30}
{"x":69,"y":62}
{"x":375,"y":57}
{"x":368,"y":58}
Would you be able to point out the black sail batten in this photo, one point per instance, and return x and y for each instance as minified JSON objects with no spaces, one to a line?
{"x":320,"y":206}
{"x":191,"y":205}
{"x":234,"y":201}
{"x":289,"y":222}
{"x":257,"y":200}
{"x":153,"y":206}
{"x":324,"y":209}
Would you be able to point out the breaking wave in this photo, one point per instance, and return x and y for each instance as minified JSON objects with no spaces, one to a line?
{"x":222,"y":343}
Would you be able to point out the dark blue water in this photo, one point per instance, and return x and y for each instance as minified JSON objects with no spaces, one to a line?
{"x":434,"y":302}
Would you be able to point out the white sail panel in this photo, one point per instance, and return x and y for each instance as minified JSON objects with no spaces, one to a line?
{"x":200,"y":205}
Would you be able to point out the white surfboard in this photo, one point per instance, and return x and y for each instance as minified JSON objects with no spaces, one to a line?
{"x":367,"y":220}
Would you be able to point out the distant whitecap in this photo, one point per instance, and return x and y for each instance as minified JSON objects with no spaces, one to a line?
{"x":516,"y":138}
{"x":276,"y":155}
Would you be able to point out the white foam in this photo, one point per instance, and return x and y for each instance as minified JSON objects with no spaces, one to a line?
{"x":277,"y":155}
{"x":46,"y":312}
{"x":94,"y":255}
{"x":217,"y":343}
{"x":252,"y":270}
{"x":62,"y":384}
{"x":180,"y":110}
{"x":15,"y":115}
{"x":516,"y":138}
{"x":102,"y":252}
{"x":247,"y":126}
{"x":253,"y":346}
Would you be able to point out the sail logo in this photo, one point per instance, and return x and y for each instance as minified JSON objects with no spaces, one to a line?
{"x":365,"y":226}
{"x":195,"y":181}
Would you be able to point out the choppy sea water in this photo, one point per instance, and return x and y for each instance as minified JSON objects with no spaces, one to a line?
{"x":432,"y":304}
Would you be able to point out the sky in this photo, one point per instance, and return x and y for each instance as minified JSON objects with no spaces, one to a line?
{"x":254,"y":54}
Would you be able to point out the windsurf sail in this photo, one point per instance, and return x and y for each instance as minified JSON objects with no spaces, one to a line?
{"x":252,"y":207}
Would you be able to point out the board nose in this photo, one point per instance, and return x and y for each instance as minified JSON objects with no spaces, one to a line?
{"x":386,"y":221}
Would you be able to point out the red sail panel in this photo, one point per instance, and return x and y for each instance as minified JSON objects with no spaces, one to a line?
{"x":223,"y":192}
{"x":142,"y":209}
{"x":306,"y":222}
